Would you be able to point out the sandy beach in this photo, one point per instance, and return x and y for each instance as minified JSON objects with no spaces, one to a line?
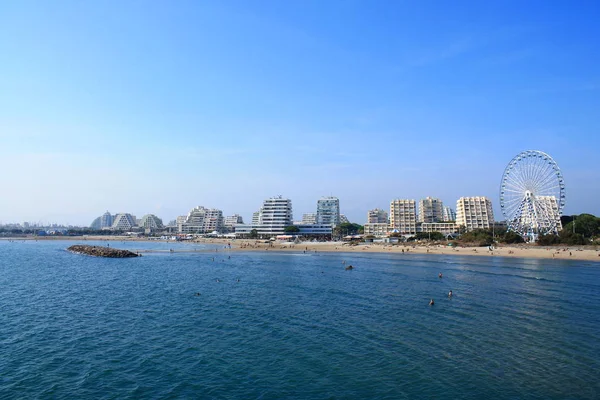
{"x":523,"y":251}
{"x":587,"y":253}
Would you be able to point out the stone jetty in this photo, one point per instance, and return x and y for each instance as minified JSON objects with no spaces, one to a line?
{"x":99,"y":251}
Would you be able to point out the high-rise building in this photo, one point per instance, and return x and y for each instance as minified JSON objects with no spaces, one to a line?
{"x":275,"y":215}
{"x":123,"y":222}
{"x":474,"y":213}
{"x":201,"y":220}
{"x":377,"y":216}
{"x":104,"y":221}
{"x":151,"y":221}
{"x":233,"y":220}
{"x":403,"y":216}
{"x":256,"y":218}
{"x":449,"y":214}
{"x":309,"y":218}
{"x":431,"y":210}
{"x":328,"y":211}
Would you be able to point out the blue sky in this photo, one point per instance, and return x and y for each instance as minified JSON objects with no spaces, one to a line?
{"x":156,"y":107}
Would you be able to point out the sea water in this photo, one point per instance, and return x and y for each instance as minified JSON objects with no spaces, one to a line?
{"x":211,"y":323}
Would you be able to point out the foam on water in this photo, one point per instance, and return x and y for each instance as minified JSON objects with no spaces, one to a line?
{"x":294,"y":327}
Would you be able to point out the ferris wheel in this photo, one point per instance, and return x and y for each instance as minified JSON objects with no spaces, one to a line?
{"x":532,"y":194}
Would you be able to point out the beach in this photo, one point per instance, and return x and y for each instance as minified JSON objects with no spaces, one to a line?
{"x":586,"y":253}
{"x":520,"y":251}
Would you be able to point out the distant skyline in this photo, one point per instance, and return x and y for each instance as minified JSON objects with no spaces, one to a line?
{"x":158,"y":107}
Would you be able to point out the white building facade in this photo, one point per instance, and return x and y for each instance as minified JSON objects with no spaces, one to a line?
{"x":123,"y":222}
{"x":201,"y":220}
{"x":431,"y":210}
{"x":474,"y":213}
{"x":376,"y":229}
{"x":328,"y":211}
{"x":309,"y":218}
{"x":449,"y":214}
{"x":403,"y":216}
{"x":377,"y":216}
{"x":151,"y":222}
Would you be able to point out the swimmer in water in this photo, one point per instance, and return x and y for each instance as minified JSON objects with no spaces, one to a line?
{"x":440,"y":275}
{"x":431,"y":302}
{"x":450,"y":293}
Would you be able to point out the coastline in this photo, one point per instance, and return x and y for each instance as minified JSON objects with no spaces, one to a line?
{"x":537,"y":252}
{"x":581,"y":253}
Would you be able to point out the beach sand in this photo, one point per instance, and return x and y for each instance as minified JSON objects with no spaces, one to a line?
{"x":587,"y":253}
{"x":523,"y":251}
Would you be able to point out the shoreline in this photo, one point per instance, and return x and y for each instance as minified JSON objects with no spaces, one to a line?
{"x":580,"y":253}
{"x":536,"y":252}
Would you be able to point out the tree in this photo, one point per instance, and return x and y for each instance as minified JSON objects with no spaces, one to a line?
{"x":570,"y":238}
{"x":348,"y":228}
{"x":429,"y":236}
{"x":586,"y":225}
{"x":253,"y":234}
{"x":510,"y":237}
{"x":548,"y":240}
{"x":481,"y":236}
{"x":291,"y":229}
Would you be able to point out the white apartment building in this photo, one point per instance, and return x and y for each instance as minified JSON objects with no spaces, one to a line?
{"x":256,"y":218}
{"x":474,"y":213}
{"x":232,"y":220}
{"x":328,"y":211}
{"x":272,"y":219}
{"x":275,"y":216}
{"x":376,"y":229}
{"x":201,"y":220}
{"x":449,"y":214}
{"x":123,"y":222}
{"x":106,"y":220}
{"x":403,"y":216}
{"x":377,"y":216}
{"x":151,"y":222}
{"x":431,"y":210}
{"x":309,"y":218}
{"x":445,"y":228}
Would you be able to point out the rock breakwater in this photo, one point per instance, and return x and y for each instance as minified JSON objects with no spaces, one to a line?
{"x":99,"y":251}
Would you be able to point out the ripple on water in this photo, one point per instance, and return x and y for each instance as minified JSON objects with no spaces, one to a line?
{"x":295,"y":326}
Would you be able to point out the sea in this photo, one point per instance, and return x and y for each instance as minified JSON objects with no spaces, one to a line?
{"x":205,"y":322}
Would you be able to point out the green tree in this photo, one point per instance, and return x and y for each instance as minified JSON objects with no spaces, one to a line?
{"x":253,"y":234}
{"x":429,"y":235}
{"x":483,"y":237}
{"x":510,"y":237}
{"x":548,"y":240}
{"x":586,"y":225}
{"x":291,"y":229}
{"x":570,"y":238}
{"x":348,"y":228}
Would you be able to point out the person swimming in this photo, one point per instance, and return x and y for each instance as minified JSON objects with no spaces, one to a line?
{"x":450,"y":293}
{"x":431,"y":302}
{"x":440,"y":275}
